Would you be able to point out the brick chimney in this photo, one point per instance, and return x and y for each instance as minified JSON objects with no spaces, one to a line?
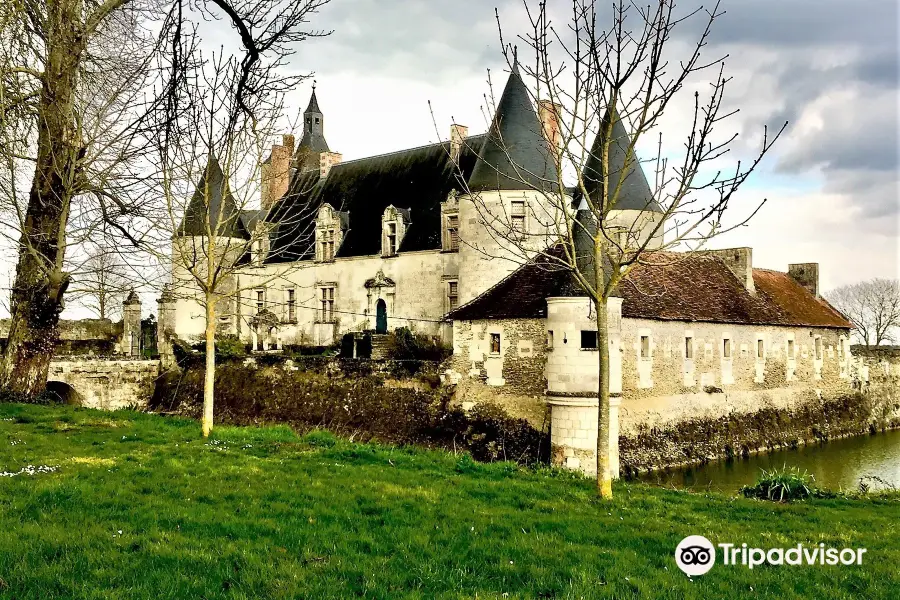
{"x":328,"y":160}
{"x":807,"y":275}
{"x":740,"y":262}
{"x":549,"y":114}
{"x":276,"y":172}
{"x":458,"y":134}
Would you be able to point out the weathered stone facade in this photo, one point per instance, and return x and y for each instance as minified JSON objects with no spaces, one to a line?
{"x":666,"y":386}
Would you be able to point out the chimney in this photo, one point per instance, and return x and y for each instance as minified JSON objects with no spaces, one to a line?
{"x":807,"y":275}
{"x":328,"y":160}
{"x":276,"y":172}
{"x":740,"y":262}
{"x":549,"y":115}
{"x":458,"y":133}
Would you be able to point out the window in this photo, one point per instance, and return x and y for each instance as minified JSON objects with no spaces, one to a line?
{"x":327,"y":313}
{"x":518,"y":216}
{"x":328,"y":244}
{"x":760,"y":349}
{"x":588,"y":340}
{"x":550,"y":340}
{"x":495,"y":343}
{"x":452,"y":294}
{"x":260,"y":300}
{"x":689,"y":347}
{"x":726,"y":348}
{"x":453,"y":233}
{"x":391,"y":239}
{"x":818,"y":343}
{"x":790,"y":350}
{"x":291,"y":306}
{"x":645,"y":346}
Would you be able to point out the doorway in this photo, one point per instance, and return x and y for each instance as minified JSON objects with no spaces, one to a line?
{"x":380,"y":316}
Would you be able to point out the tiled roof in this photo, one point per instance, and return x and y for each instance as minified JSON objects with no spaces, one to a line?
{"x":673,"y":286}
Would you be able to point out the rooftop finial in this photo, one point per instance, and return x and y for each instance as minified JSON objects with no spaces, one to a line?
{"x":515,"y":68}
{"x":314,"y":85}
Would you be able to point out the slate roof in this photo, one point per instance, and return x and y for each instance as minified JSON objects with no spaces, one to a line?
{"x":634,"y":192}
{"x":418,"y":179}
{"x":675,"y":286}
{"x":515,"y":150}
{"x":212,"y":207}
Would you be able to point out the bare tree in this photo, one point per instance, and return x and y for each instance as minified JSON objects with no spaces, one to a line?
{"x":872,"y":306}
{"x":610,"y":76}
{"x":100,"y":280}
{"x":221,"y":111}
{"x":72,"y":78}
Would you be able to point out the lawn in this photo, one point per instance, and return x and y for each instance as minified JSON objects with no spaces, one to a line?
{"x":139,"y":506}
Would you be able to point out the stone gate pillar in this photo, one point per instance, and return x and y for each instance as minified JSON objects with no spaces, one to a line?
{"x":165,"y":327}
{"x":131,"y":325}
{"x":572,"y":382}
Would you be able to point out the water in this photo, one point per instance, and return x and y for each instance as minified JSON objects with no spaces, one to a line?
{"x":835,"y":465}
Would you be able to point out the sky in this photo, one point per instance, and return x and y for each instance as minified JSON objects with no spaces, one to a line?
{"x":828,"y":67}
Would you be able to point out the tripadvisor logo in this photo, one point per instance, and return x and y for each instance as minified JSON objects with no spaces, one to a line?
{"x":696,"y":555}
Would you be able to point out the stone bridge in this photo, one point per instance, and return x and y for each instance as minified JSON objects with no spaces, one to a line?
{"x":108,"y":384}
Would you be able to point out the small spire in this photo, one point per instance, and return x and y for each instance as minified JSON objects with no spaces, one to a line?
{"x":515,"y":67}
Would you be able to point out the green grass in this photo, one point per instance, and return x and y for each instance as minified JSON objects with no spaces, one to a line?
{"x":141,"y":507}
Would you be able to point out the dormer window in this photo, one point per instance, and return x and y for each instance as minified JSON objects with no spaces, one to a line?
{"x":393,"y":226}
{"x":392,"y":239}
{"x":330,"y":226}
{"x":450,"y":224}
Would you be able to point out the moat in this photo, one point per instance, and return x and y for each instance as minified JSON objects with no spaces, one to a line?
{"x":835,"y":465}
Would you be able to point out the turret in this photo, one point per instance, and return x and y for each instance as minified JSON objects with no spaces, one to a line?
{"x":633,"y":210}
{"x":313,"y":147}
{"x":212,"y":215}
{"x":505,"y":216}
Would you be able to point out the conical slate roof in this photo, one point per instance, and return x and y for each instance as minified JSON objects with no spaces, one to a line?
{"x":212,"y":207}
{"x":313,"y":103}
{"x":635,"y":192}
{"x":515,"y":154}
{"x":313,"y":140}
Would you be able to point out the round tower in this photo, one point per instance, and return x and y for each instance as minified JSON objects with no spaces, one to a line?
{"x":212,"y":228}
{"x":508,"y":214}
{"x":634,"y":211}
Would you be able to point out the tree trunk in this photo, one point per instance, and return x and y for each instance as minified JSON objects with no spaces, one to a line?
{"x":604,"y":481}
{"x":40,"y":282}
{"x":210,"y":374}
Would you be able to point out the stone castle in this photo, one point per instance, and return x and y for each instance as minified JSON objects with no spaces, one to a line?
{"x":396,"y":240}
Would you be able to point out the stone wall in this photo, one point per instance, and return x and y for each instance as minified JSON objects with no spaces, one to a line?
{"x":518,"y":366}
{"x":664,"y":385}
{"x":107,"y":384}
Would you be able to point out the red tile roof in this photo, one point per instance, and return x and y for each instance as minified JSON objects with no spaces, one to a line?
{"x":671,"y":286}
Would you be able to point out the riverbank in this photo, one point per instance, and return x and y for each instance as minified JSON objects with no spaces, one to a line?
{"x":123,"y":504}
{"x":871,"y":460}
{"x":702,"y":440}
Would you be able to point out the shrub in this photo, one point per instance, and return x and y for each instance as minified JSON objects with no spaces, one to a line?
{"x":360,"y":407}
{"x":781,"y":485}
{"x":403,"y":344}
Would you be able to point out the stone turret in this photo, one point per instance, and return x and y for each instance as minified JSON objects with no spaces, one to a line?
{"x":312,"y":145}
{"x":131,"y":330}
{"x":507,"y":212}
